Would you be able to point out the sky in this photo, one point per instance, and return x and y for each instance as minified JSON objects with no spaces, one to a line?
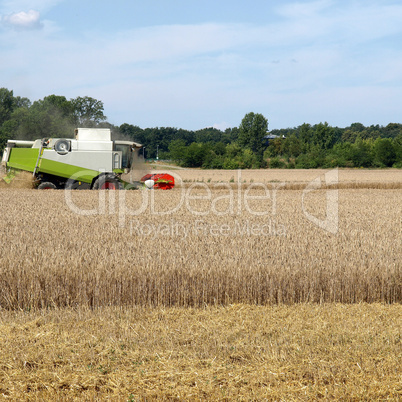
{"x":193,"y":64}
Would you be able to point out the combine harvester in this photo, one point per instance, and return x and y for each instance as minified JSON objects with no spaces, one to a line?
{"x":91,"y":160}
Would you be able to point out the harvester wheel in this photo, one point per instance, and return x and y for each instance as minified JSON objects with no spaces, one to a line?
{"x":47,"y":185}
{"x":76,"y":185}
{"x":107,"y":183}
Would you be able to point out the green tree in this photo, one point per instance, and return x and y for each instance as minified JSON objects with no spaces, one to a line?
{"x":88,"y":111}
{"x":22,"y":102}
{"x":398,"y":151}
{"x":233,"y":150}
{"x":209,"y":134}
{"x":392,"y":130}
{"x":51,"y":116}
{"x":195,"y":155}
{"x":11,"y":109}
{"x":357,"y":127}
{"x":304,"y":133}
{"x":294,"y":145}
{"x":324,"y":136}
{"x":134,"y":133}
{"x":230,"y":135}
{"x":177,"y":150}
{"x":219,"y":148}
{"x":361,"y":153}
{"x":384,"y":152}
{"x":275,"y":148}
{"x":252,"y":130}
{"x":349,"y":136}
{"x":59,"y":103}
{"x":6,"y":104}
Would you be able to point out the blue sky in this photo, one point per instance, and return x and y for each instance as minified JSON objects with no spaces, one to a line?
{"x":193,"y":64}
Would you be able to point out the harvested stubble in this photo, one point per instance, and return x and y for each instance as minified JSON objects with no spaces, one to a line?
{"x":291,"y":176}
{"x":53,"y":257}
{"x":291,"y":186}
{"x":238,"y":352}
{"x":289,"y":179}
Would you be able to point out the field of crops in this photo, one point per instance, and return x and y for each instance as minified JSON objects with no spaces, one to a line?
{"x":237,"y":352}
{"x":349,"y":177}
{"x":204,"y":291}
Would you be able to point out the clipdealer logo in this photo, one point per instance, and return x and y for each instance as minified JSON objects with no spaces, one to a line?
{"x":331,"y":222}
{"x":203,"y":228}
{"x":238,"y":201}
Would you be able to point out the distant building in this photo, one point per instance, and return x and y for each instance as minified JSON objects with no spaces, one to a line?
{"x":270,"y":137}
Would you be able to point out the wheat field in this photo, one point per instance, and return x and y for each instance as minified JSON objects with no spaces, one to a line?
{"x":290,"y":176}
{"x":53,"y":256}
{"x":203,"y":292}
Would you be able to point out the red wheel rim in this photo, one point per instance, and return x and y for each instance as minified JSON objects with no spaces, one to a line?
{"x":108,"y":186}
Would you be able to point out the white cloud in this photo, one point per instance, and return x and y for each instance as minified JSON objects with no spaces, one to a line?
{"x":23,"y":20}
{"x":10,"y":6}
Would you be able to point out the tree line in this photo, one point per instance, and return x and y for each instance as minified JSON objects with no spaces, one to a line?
{"x":249,"y":145}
